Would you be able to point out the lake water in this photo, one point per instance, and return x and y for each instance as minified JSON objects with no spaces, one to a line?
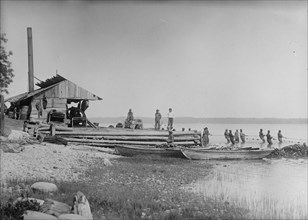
{"x":269,"y":189}
{"x":294,"y":133}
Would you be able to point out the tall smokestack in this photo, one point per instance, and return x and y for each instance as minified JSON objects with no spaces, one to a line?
{"x":30,"y":60}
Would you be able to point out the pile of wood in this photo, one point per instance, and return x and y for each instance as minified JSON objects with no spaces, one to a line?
{"x":109,"y":138}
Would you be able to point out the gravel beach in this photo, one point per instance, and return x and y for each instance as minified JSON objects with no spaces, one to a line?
{"x":53,"y":161}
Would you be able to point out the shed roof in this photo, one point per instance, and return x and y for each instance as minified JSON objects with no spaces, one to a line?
{"x":48,"y":82}
{"x":26,"y":95}
{"x":48,"y":85}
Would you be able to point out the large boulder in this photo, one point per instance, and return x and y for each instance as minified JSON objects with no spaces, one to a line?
{"x":32,"y":215}
{"x":72,"y":217}
{"x":44,"y":187}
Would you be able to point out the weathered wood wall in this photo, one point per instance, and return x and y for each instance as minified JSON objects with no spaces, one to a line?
{"x":57,"y":97}
{"x":69,"y":90}
{"x":52,"y":103}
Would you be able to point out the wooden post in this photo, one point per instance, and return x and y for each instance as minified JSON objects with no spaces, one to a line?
{"x":2,"y":116}
{"x":52,"y":130}
{"x":30,"y":60}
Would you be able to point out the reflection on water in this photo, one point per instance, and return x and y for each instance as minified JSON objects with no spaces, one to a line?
{"x":269,"y":189}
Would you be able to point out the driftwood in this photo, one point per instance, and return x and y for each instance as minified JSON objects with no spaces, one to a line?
{"x":55,"y":208}
{"x":81,"y":206}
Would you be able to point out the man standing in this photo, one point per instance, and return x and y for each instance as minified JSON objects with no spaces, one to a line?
{"x":170,"y":116}
{"x":157,"y":120}
{"x":129,"y":119}
{"x":205,"y":138}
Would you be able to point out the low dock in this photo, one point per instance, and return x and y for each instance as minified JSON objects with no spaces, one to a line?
{"x":108,"y":137}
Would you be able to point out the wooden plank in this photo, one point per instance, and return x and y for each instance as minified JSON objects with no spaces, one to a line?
{"x":127,"y":133}
{"x":123,"y":142}
{"x":112,"y":142}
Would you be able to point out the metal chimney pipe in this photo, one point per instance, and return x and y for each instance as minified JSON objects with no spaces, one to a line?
{"x":30,"y":60}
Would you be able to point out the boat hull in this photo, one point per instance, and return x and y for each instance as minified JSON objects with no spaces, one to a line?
{"x":130,"y":151}
{"x":204,"y":154}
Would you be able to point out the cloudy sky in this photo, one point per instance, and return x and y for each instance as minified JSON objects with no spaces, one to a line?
{"x":203,"y":59}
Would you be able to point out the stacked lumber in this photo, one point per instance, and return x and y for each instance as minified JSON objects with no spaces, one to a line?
{"x":129,"y":137}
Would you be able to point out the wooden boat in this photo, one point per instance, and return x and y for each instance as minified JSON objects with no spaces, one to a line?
{"x":213,"y":154}
{"x":130,"y":151}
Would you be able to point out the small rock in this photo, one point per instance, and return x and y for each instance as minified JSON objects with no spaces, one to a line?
{"x":44,"y":187}
{"x":32,"y":215}
{"x":55,"y":151}
{"x":107,"y":162}
{"x":55,"y":167}
{"x":39,"y":201}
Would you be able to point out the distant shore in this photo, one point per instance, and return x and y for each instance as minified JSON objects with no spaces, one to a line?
{"x":193,"y":120}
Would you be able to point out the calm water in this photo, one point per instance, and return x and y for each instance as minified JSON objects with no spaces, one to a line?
{"x":269,"y":189}
{"x":294,"y":132}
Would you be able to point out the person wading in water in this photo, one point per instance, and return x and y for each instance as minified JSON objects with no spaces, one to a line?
{"x":280,"y":137}
{"x":226,"y":134}
{"x":242,"y":136}
{"x":231,"y":136}
{"x":261,"y":135}
{"x":269,"y":137}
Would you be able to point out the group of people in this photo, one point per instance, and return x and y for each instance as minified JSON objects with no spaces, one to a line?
{"x":239,"y":135}
{"x":170,"y":115}
{"x":269,"y":137}
{"x":235,"y":138}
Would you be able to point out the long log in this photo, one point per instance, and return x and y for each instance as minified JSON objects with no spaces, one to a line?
{"x":136,"y":138}
{"x":58,"y":128}
{"x":113,"y":145}
{"x":123,"y":142}
{"x":87,"y":133}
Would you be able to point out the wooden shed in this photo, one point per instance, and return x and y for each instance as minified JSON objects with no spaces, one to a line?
{"x":54,"y":95}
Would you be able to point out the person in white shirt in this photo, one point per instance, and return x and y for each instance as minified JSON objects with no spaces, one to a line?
{"x":170,"y":116}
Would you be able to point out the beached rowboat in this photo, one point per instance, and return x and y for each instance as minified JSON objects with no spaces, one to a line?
{"x":130,"y":151}
{"x":212,"y":154}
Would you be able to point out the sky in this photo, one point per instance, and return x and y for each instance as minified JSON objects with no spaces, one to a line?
{"x":201,"y":58}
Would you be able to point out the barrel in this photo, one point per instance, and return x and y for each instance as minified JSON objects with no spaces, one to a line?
{"x":24,"y":112}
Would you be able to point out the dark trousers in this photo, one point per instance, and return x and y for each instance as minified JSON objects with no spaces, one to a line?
{"x":170,"y":123}
{"x":157,"y":124}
